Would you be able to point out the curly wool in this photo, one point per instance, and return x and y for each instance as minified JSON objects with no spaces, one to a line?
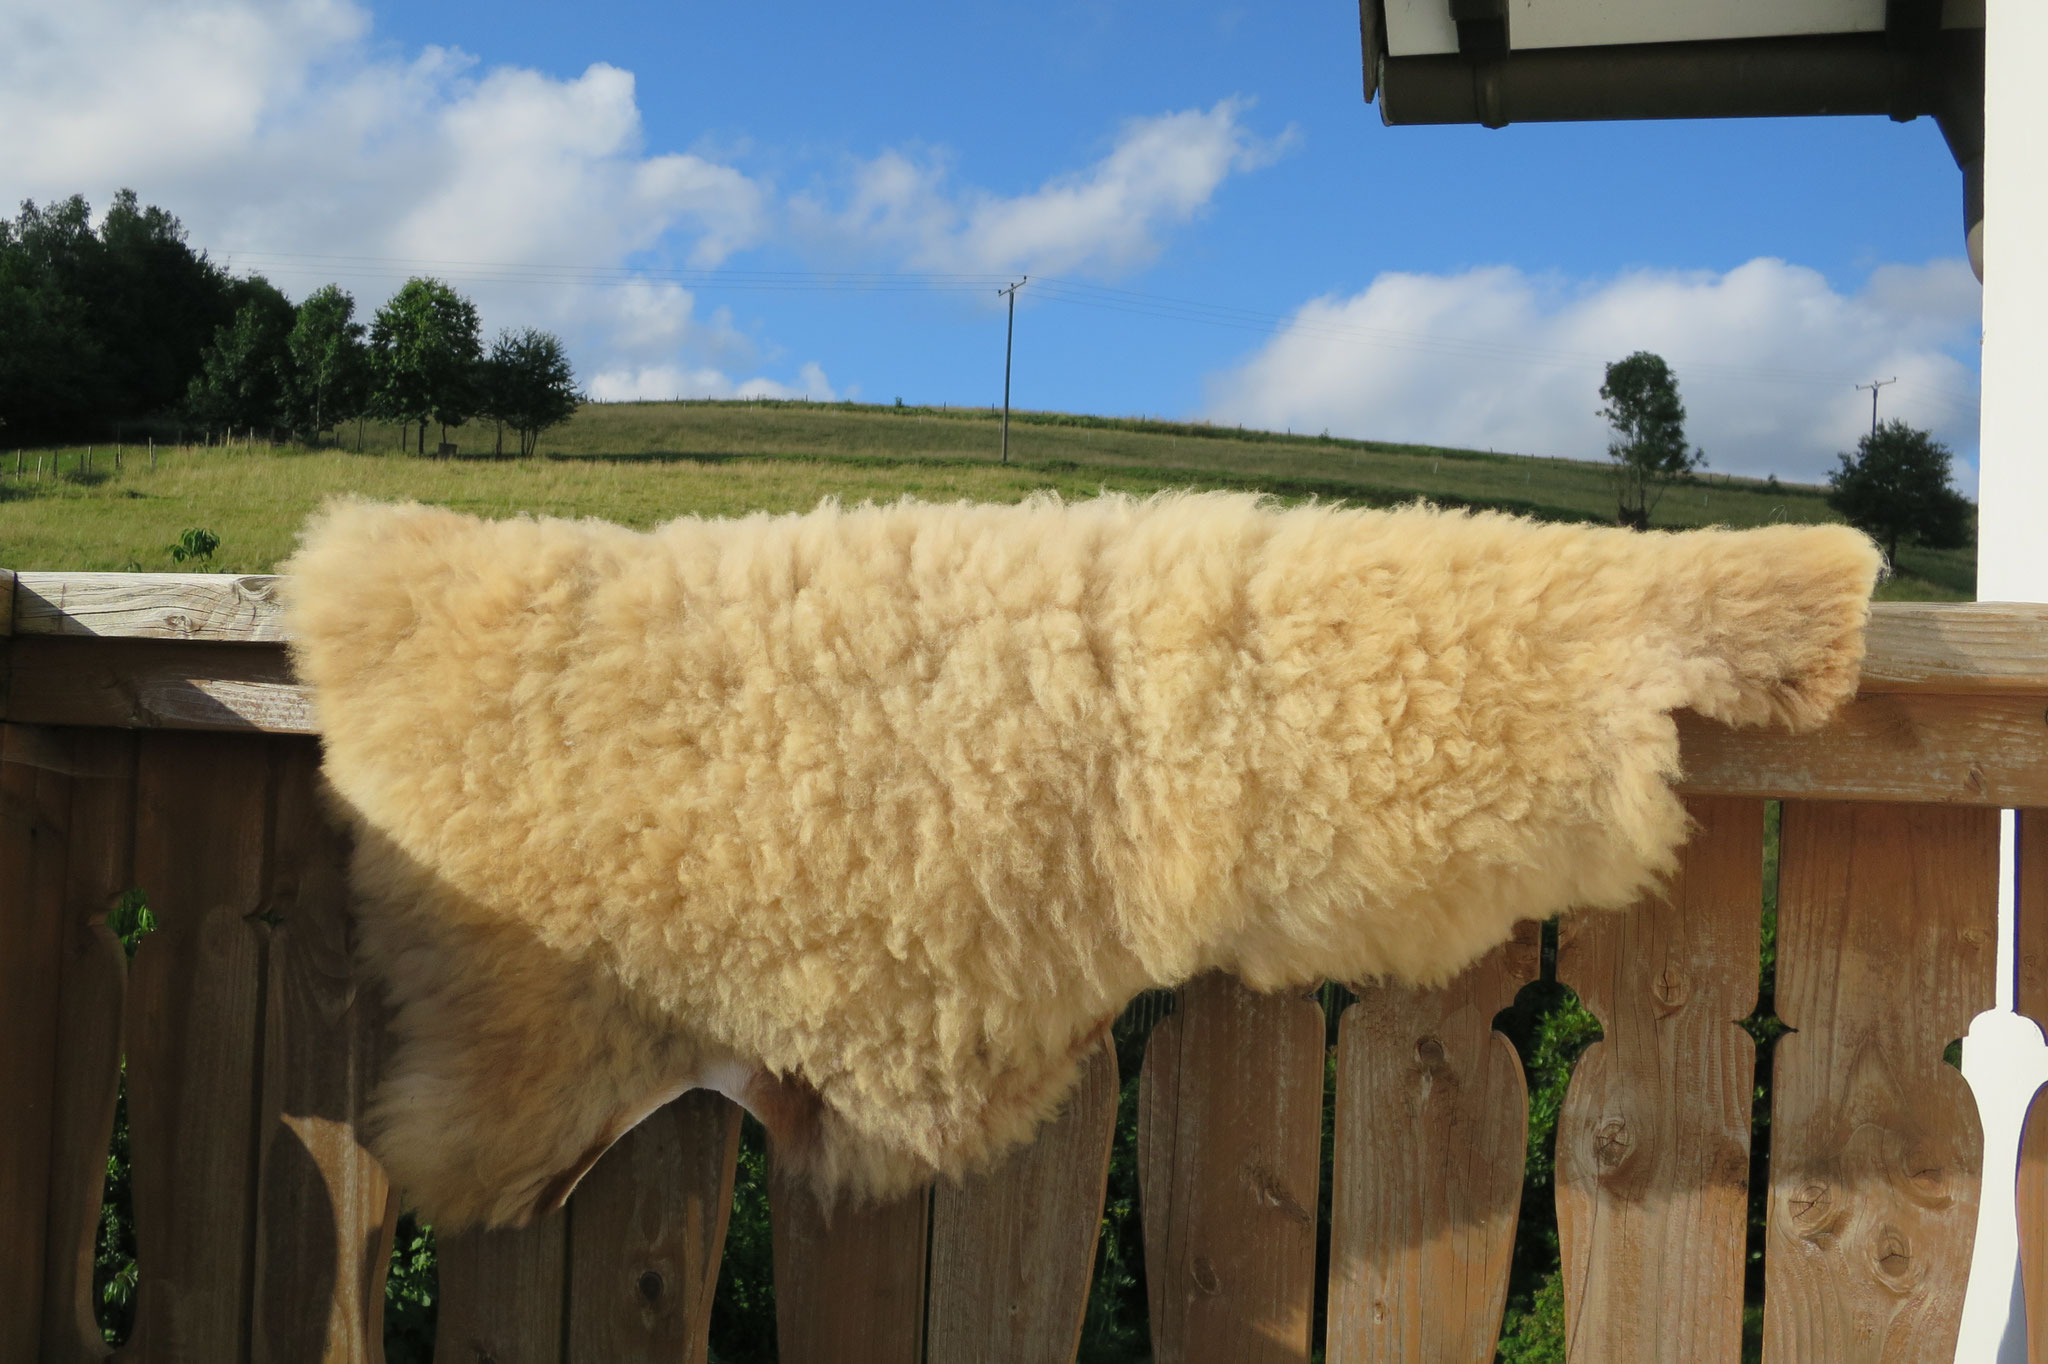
{"x":874,"y":818}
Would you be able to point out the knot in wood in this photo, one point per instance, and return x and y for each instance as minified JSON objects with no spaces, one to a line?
{"x":1895,"y":1264}
{"x":1430,"y":1052}
{"x":1672,"y":985}
{"x":651,"y":1286}
{"x":1612,"y":1141}
{"x":1204,"y":1275}
{"x":178,"y":623}
{"x":1974,"y":779}
{"x":1809,"y":1206}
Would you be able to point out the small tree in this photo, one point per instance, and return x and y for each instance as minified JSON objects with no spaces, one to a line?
{"x":1896,"y":486}
{"x":527,"y":384}
{"x":423,"y":356}
{"x":245,"y":374}
{"x":1648,"y":449}
{"x":330,"y":366}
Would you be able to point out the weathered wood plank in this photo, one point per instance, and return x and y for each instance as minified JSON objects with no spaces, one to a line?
{"x":1989,"y":750}
{"x":646,"y":1232}
{"x":1948,"y":647}
{"x":1981,"y":750}
{"x":2030,"y":891}
{"x":1887,"y":947}
{"x":92,"y":990}
{"x":1229,"y":1134}
{"x":35,"y":806}
{"x":848,"y":1289}
{"x":1957,"y":647}
{"x":1013,"y":1250}
{"x":149,"y":606}
{"x":195,"y":1014}
{"x":6,"y":602}
{"x":134,"y":684}
{"x":321,"y":1227}
{"x":1432,"y":1119}
{"x":1653,"y":1139}
{"x":502,"y":1295}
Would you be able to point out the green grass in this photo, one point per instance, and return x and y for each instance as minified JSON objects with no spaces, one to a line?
{"x":643,"y":463}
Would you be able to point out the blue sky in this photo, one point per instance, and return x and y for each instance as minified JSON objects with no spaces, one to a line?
{"x":616,"y":174}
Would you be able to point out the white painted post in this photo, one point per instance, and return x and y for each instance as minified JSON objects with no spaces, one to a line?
{"x":2004,"y":1058}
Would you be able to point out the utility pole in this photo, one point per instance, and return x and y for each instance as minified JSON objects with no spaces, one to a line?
{"x":1009,"y":335}
{"x":1874,"y":385}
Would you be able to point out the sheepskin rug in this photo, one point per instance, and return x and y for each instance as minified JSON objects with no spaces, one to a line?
{"x":874,"y":818}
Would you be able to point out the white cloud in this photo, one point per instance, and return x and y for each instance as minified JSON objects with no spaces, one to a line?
{"x":1767,"y":355}
{"x":295,"y":146}
{"x":1161,"y":172}
{"x":671,"y":381}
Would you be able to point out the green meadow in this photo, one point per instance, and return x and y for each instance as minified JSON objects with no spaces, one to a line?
{"x":643,"y":463}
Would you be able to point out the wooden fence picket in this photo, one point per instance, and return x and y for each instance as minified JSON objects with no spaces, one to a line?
{"x":92,"y":989}
{"x":1013,"y":1250}
{"x":1229,"y":1137}
{"x":1887,"y":947}
{"x":34,"y":812}
{"x":2030,"y":891}
{"x":1432,"y":1122}
{"x":323,"y":1203}
{"x":646,"y":1231}
{"x":849,"y":1289}
{"x":502,"y":1295}
{"x":195,"y":1013}
{"x":1653,"y":1138}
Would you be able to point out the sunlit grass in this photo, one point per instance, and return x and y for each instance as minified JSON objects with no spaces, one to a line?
{"x":643,"y":463}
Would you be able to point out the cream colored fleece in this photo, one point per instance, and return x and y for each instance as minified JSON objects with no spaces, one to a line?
{"x":875,"y":817}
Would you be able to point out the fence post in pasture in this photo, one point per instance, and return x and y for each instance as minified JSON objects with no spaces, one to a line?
{"x":1432,"y":1125}
{"x":86,"y":465}
{"x":152,"y":454}
{"x":325,"y":1211}
{"x":34,"y":811}
{"x":1230,"y":1105}
{"x":1887,"y":948}
{"x":647,"y":1232}
{"x":1653,"y":1138}
{"x":194,"y":1022}
{"x":851,"y":1290}
{"x":1013,"y":1250}
{"x":92,"y":986}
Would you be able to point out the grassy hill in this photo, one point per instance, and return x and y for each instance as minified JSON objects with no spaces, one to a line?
{"x":642,"y":463}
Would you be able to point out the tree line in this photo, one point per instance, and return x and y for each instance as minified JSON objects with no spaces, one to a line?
{"x":127,"y":323}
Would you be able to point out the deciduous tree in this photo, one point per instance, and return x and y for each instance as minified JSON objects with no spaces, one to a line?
{"x":528,"y":384}
{"x":330,"y":365}
{"x":424,"y":350}
{"x":1896,"y":487}
{"x":1648,"y":449}
{"x":245,"y":375}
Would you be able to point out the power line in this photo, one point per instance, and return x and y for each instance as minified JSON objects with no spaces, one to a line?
{"x":1874,"y":385}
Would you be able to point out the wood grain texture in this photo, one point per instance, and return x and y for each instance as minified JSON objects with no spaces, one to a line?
{"x":195,"y":1015}
{"x":1989,"y":750}
{"x":149,"y":606}
{"x":646,"y":1232}
{"x":1887,"y":935}
{"x":321,"y":1247}
{"x":1229,"y":1134}
{"x":1432,"y":1122}
{"x":2030,"y":904}
{"x":849,"y":1289}
{"x":1653,"y":1138}
{"x":34,"y":822}
{"x":138,"y":684}
{"x":92,"y":987}
{"x":502,"y":1295}
{"x":1957,"y":647}
{"x":1013,"y":1250}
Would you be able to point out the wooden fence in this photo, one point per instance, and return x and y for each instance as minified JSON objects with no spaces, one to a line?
{"x":153,"y":738}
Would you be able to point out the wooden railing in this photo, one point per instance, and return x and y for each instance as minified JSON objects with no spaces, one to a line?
{"x":154,"y":738}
